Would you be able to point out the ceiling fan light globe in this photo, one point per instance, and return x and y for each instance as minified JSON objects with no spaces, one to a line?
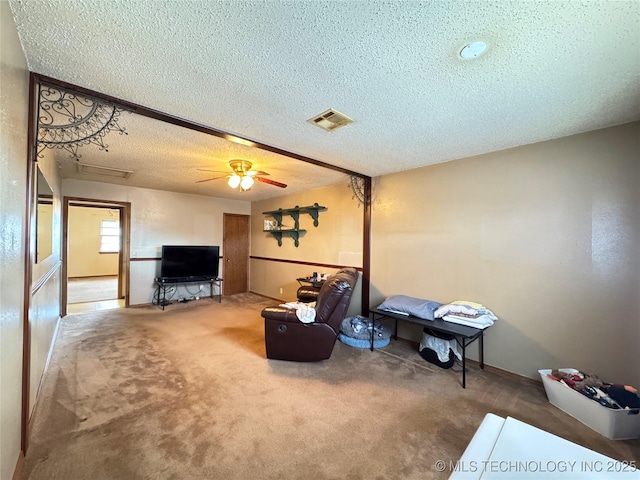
{"x":234,"y":181}
{"x":247,"y":182}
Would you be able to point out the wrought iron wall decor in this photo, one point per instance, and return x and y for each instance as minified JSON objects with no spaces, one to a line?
{"x":67,"y":121}
{"x":356,"y":184}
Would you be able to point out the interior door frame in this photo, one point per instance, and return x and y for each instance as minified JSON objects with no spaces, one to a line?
{"x":124,"y":276}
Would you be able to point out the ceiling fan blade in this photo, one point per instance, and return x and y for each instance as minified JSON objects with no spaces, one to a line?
{"x":255,"y":173}
{"x":209,"y":179}
{"x":207,"y":170}
{"x":271,"y":182}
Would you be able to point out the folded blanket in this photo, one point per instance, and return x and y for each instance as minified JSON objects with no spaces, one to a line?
{"x":477,"y":306}
{"x":461,"y":307}
{"x":305,"y":312}
{"x":480,"y":321}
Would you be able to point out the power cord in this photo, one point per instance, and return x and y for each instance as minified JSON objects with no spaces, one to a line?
{"x":186,"y":287}
{"x":156,"y":300}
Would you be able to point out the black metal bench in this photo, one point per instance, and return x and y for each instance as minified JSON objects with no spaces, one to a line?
{"x":464,"y":335}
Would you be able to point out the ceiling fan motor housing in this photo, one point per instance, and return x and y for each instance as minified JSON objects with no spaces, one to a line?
{"x":240,"y":166}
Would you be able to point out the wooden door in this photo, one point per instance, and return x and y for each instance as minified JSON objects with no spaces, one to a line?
{"x":235,"y":252}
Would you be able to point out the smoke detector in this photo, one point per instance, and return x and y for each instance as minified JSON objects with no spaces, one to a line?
{"x":472,"y":50}
{"x":330,"y":120}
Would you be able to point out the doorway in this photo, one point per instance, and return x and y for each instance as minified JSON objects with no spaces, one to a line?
{"x":95,"y":255}
{"x":235,"y":251}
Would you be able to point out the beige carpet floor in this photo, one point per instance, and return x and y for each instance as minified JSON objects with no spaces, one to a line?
{"x":187,"y":393}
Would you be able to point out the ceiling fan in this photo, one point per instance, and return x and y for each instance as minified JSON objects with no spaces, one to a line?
{"x":242,"y":176}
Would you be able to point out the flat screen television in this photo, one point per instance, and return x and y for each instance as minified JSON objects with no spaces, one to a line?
{"x":186,"y":263}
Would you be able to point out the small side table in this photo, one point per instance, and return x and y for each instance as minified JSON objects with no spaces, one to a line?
{"x":309,"y":289}
{"x":310,"y":281}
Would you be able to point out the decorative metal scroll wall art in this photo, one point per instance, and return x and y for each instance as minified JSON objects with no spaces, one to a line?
{"x":356,"y":184}
{"x":68,"y":121}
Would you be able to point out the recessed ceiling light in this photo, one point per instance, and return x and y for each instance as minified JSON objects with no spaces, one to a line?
{"x":473,"y":50}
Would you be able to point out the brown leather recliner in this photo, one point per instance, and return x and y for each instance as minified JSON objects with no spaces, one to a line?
{"x":287,"y":338}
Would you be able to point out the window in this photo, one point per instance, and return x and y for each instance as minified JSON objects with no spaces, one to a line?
{"x":109,"y":236}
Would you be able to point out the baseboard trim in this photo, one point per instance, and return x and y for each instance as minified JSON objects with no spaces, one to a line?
{"x":506,"y":373}
{"x":18,"y":470}
{"x":139,"y":305}
{"x":279,"y":300}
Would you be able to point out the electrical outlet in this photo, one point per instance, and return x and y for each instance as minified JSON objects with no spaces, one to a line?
{"x":201,"y":287}
{"x":281,"y":290}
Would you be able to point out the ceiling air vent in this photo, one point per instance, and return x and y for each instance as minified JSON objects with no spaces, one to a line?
{"x":103,"y":171}
{"x":330,"y":120}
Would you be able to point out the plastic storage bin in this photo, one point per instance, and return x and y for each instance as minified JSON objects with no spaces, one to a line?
{"x":613,"y":424}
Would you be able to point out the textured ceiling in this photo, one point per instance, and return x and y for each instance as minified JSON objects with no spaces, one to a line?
{"x":163,"y":156}
{"x":261,"y":69}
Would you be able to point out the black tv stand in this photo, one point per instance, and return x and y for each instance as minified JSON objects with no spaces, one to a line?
{"x":164,"y":284}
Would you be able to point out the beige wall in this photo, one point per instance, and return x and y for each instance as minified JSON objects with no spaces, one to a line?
{"x":14,"y":80}
{"x":85,"y":259}
{"x":337,"y":240}
{"x":545,"y":235}
{"x":161,"y":218}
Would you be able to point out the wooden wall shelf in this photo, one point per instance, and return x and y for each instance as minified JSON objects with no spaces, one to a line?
{"x":312,"y":210}
{"x":295,"y":234}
